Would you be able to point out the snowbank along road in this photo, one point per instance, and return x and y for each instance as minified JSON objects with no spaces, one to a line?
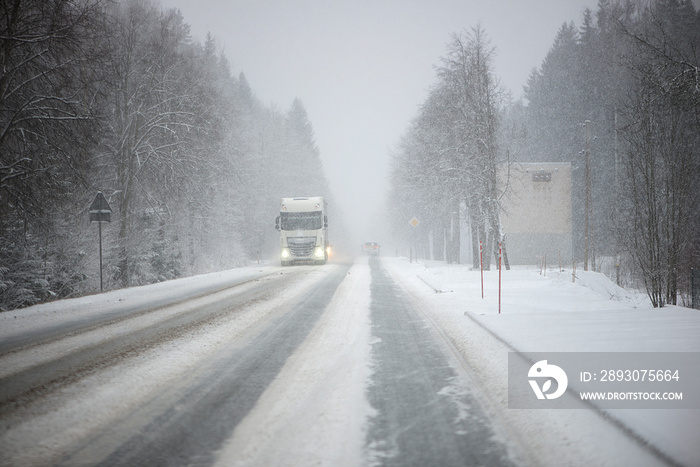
{"x":333,"y":365}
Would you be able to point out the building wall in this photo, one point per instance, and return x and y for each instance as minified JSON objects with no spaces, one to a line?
{"x":536,"y":212}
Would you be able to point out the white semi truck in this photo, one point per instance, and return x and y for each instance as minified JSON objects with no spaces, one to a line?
{"x":303,"y":227}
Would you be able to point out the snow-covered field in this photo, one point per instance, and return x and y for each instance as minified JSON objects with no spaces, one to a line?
{"x":316,"y":410}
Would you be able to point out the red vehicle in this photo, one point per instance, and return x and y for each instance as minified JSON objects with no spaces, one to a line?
{"x":371,"y":248}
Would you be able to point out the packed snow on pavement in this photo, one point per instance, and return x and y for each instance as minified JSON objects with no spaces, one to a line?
{"x":316,"y":410}
{"x":547,"y":312}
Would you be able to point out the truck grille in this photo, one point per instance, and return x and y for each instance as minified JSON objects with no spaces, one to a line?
{"x":301,"y":246}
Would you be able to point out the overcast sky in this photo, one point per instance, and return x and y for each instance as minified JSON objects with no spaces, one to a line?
{"x":362,"y":67}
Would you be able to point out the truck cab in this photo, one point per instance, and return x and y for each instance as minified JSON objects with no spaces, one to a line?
{"x":303,"y":227}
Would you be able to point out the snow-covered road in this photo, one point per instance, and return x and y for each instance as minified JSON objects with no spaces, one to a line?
{"x":357,"y":363}
{"x":428,"y":411}
{"x":159,"y":384}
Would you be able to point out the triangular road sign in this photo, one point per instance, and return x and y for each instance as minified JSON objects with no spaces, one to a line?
{"x":100,"y":204}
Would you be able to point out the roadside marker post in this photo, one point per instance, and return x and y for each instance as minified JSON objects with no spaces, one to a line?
{"x":481,"y":266}
{"x":500,"y":258}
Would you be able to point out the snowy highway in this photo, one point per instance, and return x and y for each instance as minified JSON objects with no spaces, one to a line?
{"x":342,"y":364}
{"x":356,"y":234}
{"x":422,"y":409}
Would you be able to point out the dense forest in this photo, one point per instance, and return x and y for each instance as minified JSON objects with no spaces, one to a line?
{"x":116,"y":97}
{"x":624,"y":88}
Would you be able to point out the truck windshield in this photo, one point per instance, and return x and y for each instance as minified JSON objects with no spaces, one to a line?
{"x":301,"y":220}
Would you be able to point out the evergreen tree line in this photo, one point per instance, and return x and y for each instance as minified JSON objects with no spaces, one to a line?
{"x":625,"y":85}
{"x":116,"y":97}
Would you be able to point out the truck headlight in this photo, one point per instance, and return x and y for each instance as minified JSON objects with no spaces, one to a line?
{"x":318,"y":253}
{"x":285,"y":253}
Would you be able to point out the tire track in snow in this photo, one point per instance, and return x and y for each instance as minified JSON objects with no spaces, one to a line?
{"x":188,"y":425}
{"x":36,"y":381}
{"x":426,"y":413}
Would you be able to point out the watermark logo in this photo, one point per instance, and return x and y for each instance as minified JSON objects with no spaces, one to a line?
{"x":543,"y":370}
{"x":608,"y":380}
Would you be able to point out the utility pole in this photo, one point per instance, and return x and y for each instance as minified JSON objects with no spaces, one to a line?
{"x":587,"y":126}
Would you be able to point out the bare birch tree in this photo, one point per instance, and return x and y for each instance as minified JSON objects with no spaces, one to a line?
{"x":449,"y":156}
{"x":471,"y":100}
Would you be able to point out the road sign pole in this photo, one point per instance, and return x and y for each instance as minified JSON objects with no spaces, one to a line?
{"x":100,"y":212}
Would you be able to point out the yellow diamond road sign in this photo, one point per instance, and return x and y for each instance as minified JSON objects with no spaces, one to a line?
{"x":414,"y":222}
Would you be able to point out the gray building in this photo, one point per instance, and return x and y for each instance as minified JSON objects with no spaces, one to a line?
{"x":536,"y":212}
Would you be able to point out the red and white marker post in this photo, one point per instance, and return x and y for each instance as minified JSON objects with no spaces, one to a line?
{"x":481,"y":265}
{"x":500,"y":257}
